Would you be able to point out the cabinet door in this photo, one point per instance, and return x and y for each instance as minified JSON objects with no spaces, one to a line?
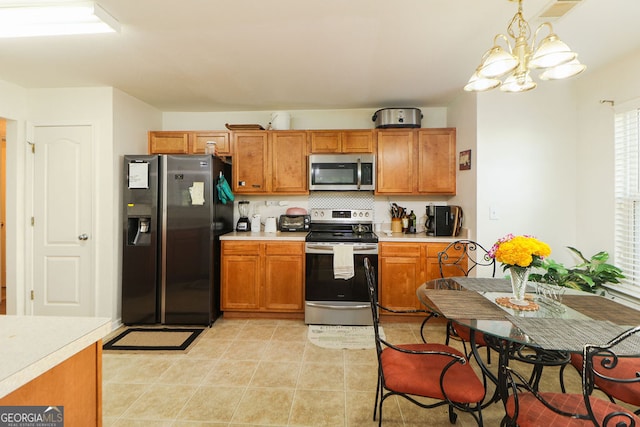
{"x":433,"y":267}
{"x":168,"y":142}
{"x":200,"y":139}
{"x":325,"y":141}
{"x":437,"y":161}
{"x":240,"y":276}
{"x":289,"y":162}
{"x":355,"y":141}
{"x":284,"y":276}
{"x":395,"y":162}
{"x":401,"y":273}
{"x":249,"y":162}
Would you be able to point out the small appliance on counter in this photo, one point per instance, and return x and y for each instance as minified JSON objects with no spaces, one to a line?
{"x":443,"y":220}
{"x":243,"y":223}
{"x":294,"y":222}
{"x":270,"y":225}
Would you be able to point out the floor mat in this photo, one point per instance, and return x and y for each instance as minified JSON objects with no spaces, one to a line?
{"x":337,"y":337}
{"x":153,"y":339}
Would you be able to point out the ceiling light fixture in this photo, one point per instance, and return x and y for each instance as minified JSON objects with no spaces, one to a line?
{"x":48,"y":19}
{"x":510,"y":70}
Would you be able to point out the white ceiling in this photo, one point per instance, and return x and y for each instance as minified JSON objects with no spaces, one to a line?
{"x":226,"y":55}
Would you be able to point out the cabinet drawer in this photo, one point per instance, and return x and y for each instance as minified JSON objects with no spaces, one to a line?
{"x":284,"y":248}
{"x":240,"y":248}
{"x":434,"y":248}
{"x":400,"y":249}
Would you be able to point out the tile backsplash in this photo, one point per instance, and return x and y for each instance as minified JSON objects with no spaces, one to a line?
{"x":277,"y":205}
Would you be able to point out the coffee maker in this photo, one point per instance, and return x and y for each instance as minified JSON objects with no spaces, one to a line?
{"x":243,"y":223}
{"x":443,"y":220}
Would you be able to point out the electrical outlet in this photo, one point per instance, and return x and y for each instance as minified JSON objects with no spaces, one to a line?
{"x":493,"y":213}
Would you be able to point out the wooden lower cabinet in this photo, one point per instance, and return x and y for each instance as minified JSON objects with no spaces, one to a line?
{"x":262,"y":276}
{"x":403,"y":267}
{"x":76,"y":384}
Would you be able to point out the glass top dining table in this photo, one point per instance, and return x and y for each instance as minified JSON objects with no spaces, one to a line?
{"x":580,"y":318}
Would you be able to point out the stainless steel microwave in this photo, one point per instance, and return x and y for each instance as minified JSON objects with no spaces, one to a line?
{"x":342,"y":172}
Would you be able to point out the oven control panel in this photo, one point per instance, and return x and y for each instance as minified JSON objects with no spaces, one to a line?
{"x":342,"y":215}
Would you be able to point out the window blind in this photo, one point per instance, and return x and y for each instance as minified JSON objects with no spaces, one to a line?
{"x":627,"y":196}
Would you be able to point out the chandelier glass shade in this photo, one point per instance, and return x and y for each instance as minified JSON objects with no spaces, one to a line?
{"x":509,"y":66}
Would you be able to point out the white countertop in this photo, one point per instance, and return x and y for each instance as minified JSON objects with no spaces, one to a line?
{"x":31,"y":345}
{"x":296,"y":236}
{"x":300,"y":236}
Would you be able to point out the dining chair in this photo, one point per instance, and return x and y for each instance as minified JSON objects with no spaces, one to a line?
{"x":431,"y":370}
{"x":526,"y":407}
{"x":627,"y":367}
{"x":460,"y":258}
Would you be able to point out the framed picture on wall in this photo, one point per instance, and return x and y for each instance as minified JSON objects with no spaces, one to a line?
{"x":465,"y":160}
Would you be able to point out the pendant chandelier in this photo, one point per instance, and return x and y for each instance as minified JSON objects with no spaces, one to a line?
{"x":511,"y":69}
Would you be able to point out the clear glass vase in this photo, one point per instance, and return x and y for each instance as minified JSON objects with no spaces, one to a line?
{"x":519,"y":278}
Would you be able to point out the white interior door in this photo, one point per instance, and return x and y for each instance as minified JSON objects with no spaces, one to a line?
{"x":63,"y":243}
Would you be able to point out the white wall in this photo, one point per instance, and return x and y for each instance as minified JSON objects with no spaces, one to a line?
{"x":618,"y":82}
{"x":13,"y":107}
{"x":526,"y":168}
{"x":300,"y":119}
{"x":463,"y":116}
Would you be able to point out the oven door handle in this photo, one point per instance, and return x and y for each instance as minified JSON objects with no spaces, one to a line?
{"x":329,"y":248}
{"x":338,"y":307}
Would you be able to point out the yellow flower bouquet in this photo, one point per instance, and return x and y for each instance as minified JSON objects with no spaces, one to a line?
{"x":519,"y":254}
{"x":519,"y":251}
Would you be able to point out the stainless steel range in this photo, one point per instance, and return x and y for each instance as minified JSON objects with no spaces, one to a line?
{"x":338,"y":235}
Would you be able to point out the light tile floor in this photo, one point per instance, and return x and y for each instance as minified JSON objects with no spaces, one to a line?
{"x":266,"y":373}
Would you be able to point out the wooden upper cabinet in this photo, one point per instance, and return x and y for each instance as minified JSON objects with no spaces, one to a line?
{"x":188,"y":142}
{"x":270,"y":162}
{"x":395,"y":173}
{"x":288,"y":162}
{"x":337,"y":141}
{"x":168,"y":142}
{"x":222,"y":140}
{"x":437,"y":161}
{"x":250,"y":157}
{"x":416,"y":161}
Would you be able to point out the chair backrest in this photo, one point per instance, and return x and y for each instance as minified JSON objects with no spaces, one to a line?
{"x":464,"y":256}
{"x":372,"y":287}
{"x":602,"y":361}
{"x":598,"y":361}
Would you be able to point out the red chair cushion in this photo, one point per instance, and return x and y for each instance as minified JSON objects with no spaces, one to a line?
{"x":533,"y":413}
{"x":627,"y":368}
{"x":419,"y":374}
{"x":464,"y":332}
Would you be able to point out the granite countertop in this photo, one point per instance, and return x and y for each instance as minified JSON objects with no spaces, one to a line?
{"x":32,"y":345}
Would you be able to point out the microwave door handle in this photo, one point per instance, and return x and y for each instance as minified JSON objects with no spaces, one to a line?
{"x":359,"y":173}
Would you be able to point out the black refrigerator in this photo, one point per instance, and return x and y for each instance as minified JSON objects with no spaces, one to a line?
{"x":173,"y":220}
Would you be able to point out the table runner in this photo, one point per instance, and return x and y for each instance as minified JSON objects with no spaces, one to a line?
{"x":600,"y":308}
{"x":573,"y":334}
{"x":487,"y":284}
{"x":464,"y":305}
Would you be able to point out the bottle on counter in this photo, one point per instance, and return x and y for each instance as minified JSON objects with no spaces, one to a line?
{"x":413,"y":223}
{"x":405,"y":224}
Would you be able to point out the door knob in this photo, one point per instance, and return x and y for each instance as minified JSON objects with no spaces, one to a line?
{"x":83,"y":237}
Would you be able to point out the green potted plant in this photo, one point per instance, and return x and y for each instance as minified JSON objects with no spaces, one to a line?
{"x":588,"y":276}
